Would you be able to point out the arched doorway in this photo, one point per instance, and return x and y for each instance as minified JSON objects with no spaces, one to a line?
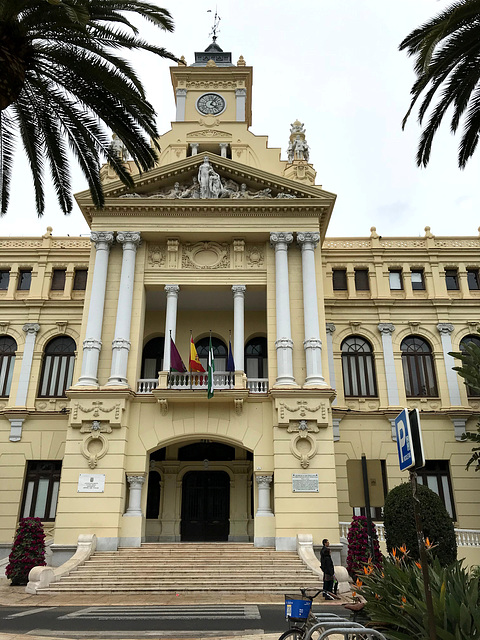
{"x":205,"y":506}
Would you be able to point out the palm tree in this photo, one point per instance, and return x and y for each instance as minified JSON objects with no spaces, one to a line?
{"x":63,"y":86}
{"x":447,"y":65}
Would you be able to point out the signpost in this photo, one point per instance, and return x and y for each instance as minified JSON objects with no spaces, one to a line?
{"x":411,"y":457}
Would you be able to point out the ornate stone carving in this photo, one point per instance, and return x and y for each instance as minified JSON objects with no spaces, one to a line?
{"x":281,"y":237}
{"x":284,"y":343}
{"x":308,"y":240}
{"x":264,"y":481}
{"x":239,"y":246}
{"x":97,"y":411}
{"x":92,"y":343}
{"x":298,"y":148}
{"x":301,"y":409}
{"x":302,"y":426}
{"x":129,"y":239}
{"x":445,"y":328}
{"x":255,"y":257}
{"x":206,"y":255}
{"x":330,"y":328}
{"x":121,"y":343}
{"x":102,"y":239}
{"x":312,"y":343}
{"x":94,"y":446}
{"x":386,"y":328}
{"x":156,"y":256}
{"x":209,"y":133}
{"x":303,"y":447}
{"x":163,"y":403}
{"x":31,"y":328}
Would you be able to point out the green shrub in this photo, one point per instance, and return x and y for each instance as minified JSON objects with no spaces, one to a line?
{"x":436,"y":523}
{"x":28,"y":550}
{"x":358,"y":549}
{"x":396,"y":600}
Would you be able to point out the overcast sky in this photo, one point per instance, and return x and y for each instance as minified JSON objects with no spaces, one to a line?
{"x":336,"y":67}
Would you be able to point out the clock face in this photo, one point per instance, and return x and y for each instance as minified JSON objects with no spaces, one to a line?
{"x":211,"y":103}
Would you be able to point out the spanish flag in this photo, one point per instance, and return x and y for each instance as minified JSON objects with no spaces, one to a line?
{"x":194,"y":363}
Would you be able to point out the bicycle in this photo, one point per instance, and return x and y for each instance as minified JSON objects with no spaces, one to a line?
{"x":298,"y":612}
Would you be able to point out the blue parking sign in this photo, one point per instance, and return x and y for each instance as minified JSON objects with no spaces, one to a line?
{"x":406,"y":455}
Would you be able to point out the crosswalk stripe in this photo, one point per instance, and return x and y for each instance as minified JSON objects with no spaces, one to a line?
{"x":195,"y":612}
{"x":29,"y":612}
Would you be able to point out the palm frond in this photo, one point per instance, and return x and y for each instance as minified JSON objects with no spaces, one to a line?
{"x":7,"y":145}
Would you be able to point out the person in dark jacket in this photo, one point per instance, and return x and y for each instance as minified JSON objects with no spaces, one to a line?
{"x":326,"y":564}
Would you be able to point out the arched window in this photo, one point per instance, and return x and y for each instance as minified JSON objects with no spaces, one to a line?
{"x":220,"y":353}
{"x":358,"y":368}
{"x":57,"y":370}
{"x":152,"y":358}
{"x":418,"y":368}
{"x":256,"y":364}
{"x":475,"y":340}
{"x":8,"y":346}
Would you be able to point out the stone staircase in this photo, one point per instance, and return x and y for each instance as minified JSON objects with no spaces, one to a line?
{"x":186,"y":567}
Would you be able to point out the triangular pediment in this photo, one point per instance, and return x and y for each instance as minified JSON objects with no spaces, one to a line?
{"x":230,"y":180}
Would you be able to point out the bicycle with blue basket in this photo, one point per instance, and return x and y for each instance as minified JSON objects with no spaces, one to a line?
{"x":298,"y":612}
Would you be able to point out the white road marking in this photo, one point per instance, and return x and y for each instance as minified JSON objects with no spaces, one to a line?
{"x":29,"y":612}
{"x":193,"y":612}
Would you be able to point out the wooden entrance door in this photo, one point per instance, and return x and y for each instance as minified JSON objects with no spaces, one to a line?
{"x":205,"y":506}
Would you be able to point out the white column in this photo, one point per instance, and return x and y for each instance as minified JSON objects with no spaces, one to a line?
{"x":170,"y":322}
{"x":240,"y":104}
{"x":284,"y":342}
{"x":92,"y":344}
{"x":264,"y":508}
{"x":121,"y":343}
{"x":194,"y":147}
{"x":445,"y":330}
{"x":239,"y":325}
{"x":330,"y":328}
{"x":223,"y":149}
{"x":31,"y":329}
{"x":386,"y":329}
{"x":135,"y":495}
{"x":312,"y":344}
{"x":181,"y":100}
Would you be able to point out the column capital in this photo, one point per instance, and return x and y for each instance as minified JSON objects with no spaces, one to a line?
{"x":264,"y":481}
{"x":31,"y":328}
{"x":102,"y":239}
{"x":239,"y":290}
{"x":172,"y":289}
{"x":281,"y":239}
{"x":136,"y":480}
{"x":308,"y":240}
{"x":330,"y":328}
{"x":129,"y":239}
{"x":386,"y":328}
{"x":240,"y":92}
{"x":180,"y":92}
{"x":445,"y":328}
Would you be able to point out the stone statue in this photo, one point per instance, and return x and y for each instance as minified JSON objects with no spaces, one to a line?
{"x":214,"y":184}
{"x":204,"y":178}
{"x":298,"y":148}
{"x":193,"y":191}
{"x":119,"y":148}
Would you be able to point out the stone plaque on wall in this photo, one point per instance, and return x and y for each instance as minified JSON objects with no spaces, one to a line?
{"x":91,"y":483}
{"x":305,"y":482}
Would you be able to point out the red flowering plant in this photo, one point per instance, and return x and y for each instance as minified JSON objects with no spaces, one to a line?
{"x":359,"y":553}
{"x":28,"y":550}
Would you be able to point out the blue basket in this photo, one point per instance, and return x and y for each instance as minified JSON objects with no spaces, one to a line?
{"x":297,"y":608}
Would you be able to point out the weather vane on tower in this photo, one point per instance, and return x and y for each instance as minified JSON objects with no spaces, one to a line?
{"x":216,"y":23}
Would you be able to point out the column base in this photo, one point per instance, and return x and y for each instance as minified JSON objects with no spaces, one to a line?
{"x":288,"y":383}
{"x":87,"y":381}
{"x":315,"y":382}
{"x":117,"y":381}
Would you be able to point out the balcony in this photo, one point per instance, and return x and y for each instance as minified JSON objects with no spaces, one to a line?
{"x":198,"y":382}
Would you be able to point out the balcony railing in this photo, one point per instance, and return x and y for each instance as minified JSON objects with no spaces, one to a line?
{"x":465,"y":537}
{"x":198,"y":381}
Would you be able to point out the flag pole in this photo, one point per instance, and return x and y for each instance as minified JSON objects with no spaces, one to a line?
{"x":189,"y":366}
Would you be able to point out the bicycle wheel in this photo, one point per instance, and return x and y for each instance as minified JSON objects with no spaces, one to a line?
{"x":293,"y":634}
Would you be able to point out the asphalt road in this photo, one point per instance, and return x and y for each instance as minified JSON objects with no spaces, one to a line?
{"x":162,"y":620}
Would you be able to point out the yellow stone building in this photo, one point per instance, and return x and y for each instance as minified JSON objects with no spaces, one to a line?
{"x":331,"y":337}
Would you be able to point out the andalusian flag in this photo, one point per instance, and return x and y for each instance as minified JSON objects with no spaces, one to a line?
{"x":194,"y":363}
{"x":210,"y":369}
